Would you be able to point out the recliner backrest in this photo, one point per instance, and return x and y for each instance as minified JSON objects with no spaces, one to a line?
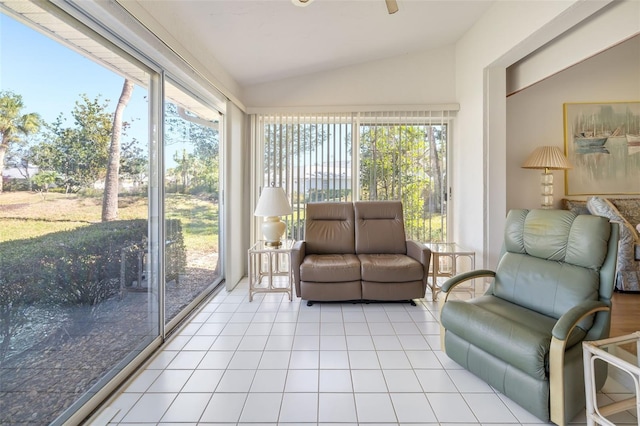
{"x":552,"y":259}
{"x":329,"y":228}
{"x":380,"y":227}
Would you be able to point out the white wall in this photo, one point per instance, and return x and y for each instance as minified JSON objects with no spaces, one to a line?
{"x":236,"y":197}
{"x":618,"y":21}
{"x":535,"y":115}
{"x":419,"y":78}
{"x":508,"y":32}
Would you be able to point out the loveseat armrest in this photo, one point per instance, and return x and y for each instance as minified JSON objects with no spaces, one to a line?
{"x":298,"y":253}
{"x":560,"y":335}
{"x":419,"y":252}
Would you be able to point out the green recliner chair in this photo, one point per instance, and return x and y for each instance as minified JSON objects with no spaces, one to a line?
{"x":551,"y":290}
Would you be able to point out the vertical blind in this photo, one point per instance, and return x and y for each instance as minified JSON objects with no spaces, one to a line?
{"x":395,"y":155}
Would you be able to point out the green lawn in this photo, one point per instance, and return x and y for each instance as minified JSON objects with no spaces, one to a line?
{"x":18,"y":229}
{"x":27,"y":215}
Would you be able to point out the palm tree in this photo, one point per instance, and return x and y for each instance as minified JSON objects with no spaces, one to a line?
{"x":110,"y":197}
{"x":14,"y":124}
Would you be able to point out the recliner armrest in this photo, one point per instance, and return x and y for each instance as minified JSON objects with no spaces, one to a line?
{"x":466,"y":276}
{"x":561,"y":332}
{"x":573,"y":316}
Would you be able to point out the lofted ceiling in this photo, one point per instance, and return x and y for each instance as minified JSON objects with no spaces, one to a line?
{"x":258,"y":41}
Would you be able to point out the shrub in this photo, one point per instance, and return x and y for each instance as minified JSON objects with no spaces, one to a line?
{"x":176,"y":256}
{"x":80,"y":266}
{"x":15,"y":298}
{"x":84,"y":264}
{"x":14,"y":185}
{"x":91,"y":192}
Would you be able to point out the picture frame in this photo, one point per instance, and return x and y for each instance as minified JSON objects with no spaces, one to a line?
{"x":602,"y":142}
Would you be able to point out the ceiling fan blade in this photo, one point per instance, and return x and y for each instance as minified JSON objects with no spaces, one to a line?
{"x":392,"y":6}
{"x":301,"y":3}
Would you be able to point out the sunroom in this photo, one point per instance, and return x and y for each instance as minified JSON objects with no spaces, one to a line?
{"x":435,"y":126}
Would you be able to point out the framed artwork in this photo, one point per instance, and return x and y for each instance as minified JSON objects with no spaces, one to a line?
{"x":602,"y":142}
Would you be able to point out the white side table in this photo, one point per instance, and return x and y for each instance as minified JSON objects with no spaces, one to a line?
{"x":621,"y":353}
{"x":444,"y":262}
{"x":270,"y":268}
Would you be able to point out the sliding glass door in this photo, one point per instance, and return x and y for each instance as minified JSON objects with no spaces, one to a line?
{"x":192,"y":199}
{"x":109,"y":217}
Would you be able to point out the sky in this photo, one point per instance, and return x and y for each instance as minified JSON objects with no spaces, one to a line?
{"x":51,"y":78}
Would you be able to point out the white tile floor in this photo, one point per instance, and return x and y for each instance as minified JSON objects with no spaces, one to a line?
{"x":275,"y":362}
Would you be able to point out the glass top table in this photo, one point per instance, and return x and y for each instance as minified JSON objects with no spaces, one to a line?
{"x":270,"y":268}
{"x":621,"y":353}
{"x":444,"y":262}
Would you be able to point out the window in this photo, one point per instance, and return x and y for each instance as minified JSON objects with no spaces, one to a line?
{"x":360,"y":156}
{"x":78,"y":305}
{"x":192,"y":197}
{"x":87,"y":290}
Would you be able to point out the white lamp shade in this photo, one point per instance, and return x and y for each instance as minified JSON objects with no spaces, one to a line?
{"x":547,"y":157}
{"x":273,"y":202}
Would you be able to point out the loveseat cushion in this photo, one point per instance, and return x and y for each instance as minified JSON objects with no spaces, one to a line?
{"x":330,"y":268}
{"x":390,"y":268}
{"x":379,"y":227}
{"x":512,"y":333}
{"x":329,"y":228}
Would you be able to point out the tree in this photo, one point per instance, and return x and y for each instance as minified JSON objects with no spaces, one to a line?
{"x":14,"y":124}
{"x":286,"y":142}
{"x":78,"y":154}
{"x":403,"y":162}
{"x":197,"y":168}
{"x":133,"y":164}
{"x":43,"y":180}
{"x":110,"y":196}
{"x":437,"y":146}
{"x":20,"y":157}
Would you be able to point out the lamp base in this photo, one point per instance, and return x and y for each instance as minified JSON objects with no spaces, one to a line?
{"x":273,"y":230}
{"x":546,"y":190}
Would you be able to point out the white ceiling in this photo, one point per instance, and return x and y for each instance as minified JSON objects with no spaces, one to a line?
{"x":257,"y":41}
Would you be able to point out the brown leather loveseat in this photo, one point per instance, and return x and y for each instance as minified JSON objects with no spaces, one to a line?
{"x":358,"y":251}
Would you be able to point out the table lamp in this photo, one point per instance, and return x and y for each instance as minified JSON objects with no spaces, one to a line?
{"x":546,"y":158}
{"x":272,"y":204}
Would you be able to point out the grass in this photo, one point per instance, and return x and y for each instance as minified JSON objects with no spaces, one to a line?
{"x":27,"y":215}
{"x":53,"y":207}
{"x":14,"y":229}
{"x":199,"y":218}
